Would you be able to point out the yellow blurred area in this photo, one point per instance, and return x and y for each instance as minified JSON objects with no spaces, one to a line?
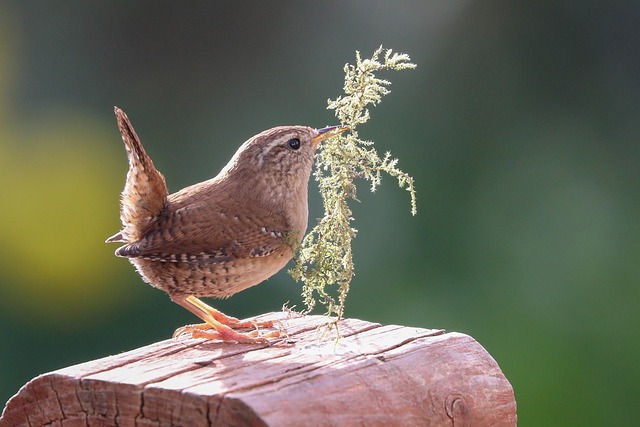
{"x":59,"y":197}
{"x":58,"y":200}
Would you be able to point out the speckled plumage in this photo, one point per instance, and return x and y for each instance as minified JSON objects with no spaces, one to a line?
{"x":223,"y":235}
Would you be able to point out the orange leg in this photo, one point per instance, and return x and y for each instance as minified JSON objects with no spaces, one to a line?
{"x":218,"y":325}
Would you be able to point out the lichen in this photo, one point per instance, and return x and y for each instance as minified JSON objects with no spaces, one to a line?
{"x":325,"y":255}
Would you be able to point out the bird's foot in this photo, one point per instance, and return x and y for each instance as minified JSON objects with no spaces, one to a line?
{"x":225,"y":333}
{"x":234,"y":323}
{"x":219,"y":326}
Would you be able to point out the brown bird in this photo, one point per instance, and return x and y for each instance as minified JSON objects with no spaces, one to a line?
{"x":223,"y":235}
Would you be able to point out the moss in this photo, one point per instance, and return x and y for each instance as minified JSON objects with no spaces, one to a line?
{"x":325,"y":257}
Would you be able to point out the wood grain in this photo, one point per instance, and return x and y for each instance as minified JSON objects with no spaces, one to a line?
{"x":374,"y":376}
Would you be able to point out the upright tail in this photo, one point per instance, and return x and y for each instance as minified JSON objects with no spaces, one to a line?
{"x":145,"y":191}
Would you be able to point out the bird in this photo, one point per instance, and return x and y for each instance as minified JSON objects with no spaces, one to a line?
{"x":222,"y":235}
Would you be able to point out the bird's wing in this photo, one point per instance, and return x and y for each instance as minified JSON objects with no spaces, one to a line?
{"x":196,"y":233}
{"x":145,"y":192}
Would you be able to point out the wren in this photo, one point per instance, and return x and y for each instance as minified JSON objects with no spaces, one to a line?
{"x":223,"y":235}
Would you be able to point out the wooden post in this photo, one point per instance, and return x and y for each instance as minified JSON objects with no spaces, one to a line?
{"x":374,"y":376}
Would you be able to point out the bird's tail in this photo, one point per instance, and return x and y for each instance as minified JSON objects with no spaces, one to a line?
{"x":145,"y":191}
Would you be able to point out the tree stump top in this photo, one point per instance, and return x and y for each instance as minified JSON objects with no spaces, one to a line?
{"x":374,"y":375}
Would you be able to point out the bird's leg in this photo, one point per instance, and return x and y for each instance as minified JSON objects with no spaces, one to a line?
{"x":221,"y":324}
{"x":227,"y":320}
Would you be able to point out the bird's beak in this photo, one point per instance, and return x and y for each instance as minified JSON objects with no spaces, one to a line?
{"x":327,"y":132}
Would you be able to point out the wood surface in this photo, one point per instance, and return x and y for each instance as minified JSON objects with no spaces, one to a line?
{"x":373,"y":376}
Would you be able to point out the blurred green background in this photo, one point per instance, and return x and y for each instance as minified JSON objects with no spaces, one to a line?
{"x":520,"y":126}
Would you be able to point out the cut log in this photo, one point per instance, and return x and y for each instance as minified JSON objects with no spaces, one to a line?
{"x":372,"y":376}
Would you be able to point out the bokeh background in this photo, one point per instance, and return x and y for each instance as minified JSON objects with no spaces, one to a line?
{"x":520,"y":126}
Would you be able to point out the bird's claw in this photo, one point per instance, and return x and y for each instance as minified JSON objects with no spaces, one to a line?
{"x":226,"y":333}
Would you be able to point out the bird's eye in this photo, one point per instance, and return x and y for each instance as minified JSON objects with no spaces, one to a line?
{"x":294,"y":143}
